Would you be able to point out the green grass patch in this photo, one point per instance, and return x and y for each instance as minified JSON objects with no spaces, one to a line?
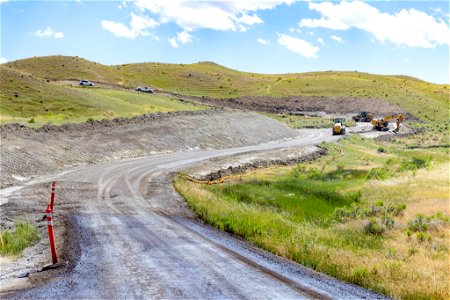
{"x":13,"y":243}
{"x":34,"y":102}
{"x":297,"y":200}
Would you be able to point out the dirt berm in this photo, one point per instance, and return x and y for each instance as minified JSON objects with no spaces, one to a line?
{"x":27,"y":152}
{"x":218,"y":168}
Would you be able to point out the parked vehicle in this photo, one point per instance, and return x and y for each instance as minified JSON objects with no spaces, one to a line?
{"x":144,"y":89}
{"x":86,"y":83}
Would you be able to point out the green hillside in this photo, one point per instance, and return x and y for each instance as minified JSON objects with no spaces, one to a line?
{"x":428,"y":101}
{"x":24,"y":97}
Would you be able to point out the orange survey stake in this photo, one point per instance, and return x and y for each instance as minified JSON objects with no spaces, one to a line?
{"x":51,"y":235}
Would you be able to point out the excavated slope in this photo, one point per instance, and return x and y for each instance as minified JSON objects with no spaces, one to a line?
{"x":26,"y":152}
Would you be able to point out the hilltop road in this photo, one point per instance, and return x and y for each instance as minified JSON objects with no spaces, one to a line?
{"x":139,"y":240}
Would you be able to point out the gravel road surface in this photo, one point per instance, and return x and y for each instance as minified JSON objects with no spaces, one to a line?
{"x":137,"y":239}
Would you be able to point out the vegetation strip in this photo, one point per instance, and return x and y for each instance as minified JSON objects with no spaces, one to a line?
{"x":359,"y":218}
{"x":13,"y":243}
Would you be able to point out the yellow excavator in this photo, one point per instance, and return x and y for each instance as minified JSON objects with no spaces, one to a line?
{"x":338,"y":127}
{"x":383,"y":124}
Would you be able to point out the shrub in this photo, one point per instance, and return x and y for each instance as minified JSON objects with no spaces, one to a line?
{"x":382,"y":150}
{"x":422,"y":237}
{"x":31,"y":121}
{"x":420,"y":223}
{"x":378,"y":173}
{"x":373,"y":227}
{"x":387,"y":221}
{"x":395,"y":209}
{"x":344,"y":214}
{"x":413,"y":164}
{"x":315,"y":173}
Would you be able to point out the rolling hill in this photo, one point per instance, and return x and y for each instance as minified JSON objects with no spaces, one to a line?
{"x":428,"y":101}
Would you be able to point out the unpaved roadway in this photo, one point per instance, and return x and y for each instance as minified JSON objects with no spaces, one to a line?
{"x":137,"y":239}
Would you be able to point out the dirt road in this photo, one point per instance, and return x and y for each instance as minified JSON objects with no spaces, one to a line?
{"x":137,"y":239}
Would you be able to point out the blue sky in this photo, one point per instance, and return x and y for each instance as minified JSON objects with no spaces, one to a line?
{"x":264,"y":36}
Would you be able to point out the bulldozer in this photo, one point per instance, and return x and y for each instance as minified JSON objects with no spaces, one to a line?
{"x":383,"y":123}
{"x":338,"y":127}
{"x":363,"y":116}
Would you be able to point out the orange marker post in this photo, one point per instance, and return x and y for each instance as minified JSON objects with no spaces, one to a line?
{"x":51,"y":236}
{"x":52,"y":197}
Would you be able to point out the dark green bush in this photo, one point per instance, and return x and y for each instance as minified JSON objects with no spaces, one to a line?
{"x":419,"y":223}
{"x":373,"y":227}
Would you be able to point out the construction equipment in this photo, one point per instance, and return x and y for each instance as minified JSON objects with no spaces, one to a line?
{"x":383,"y":124}
{"x":363,"y":116}
{"x":338,"y":127}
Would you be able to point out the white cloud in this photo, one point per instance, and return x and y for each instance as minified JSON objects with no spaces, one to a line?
{"x":123,"y":5}
{"x":216,"y":15}
{"x":408,"y":27}
{"x":263,"y":41}
{"x":182,"y":38}
{"x":320,"y":40}
{"x":173,"y":42}
{"x":336,"y":38}
{"x":3,"y":60}
{"x":48,"y":32}
{"x":58,"y":35}
{"x":298,"y":46}
{"x":406,"y":61}
{"x":3,"y":1}
{"x":138,"y":26}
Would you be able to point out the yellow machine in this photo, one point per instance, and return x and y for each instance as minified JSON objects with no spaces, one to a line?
{"x":383,"y":124}
{"x":338,"y":127}
{"x":363,"y":116}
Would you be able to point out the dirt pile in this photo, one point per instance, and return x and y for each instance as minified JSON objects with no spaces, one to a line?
{"x":27,"y":152}
{"x":302,"y":104}
{"x":218,"y":168}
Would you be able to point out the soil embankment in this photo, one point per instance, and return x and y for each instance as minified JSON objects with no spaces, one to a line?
{"x":302,"y":105}
{"x":27,"y":152}
{"x":220,"y":167}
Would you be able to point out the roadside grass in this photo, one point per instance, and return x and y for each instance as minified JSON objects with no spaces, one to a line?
{"x":339,"y":216}
{"x":13,"y":243}
{"x":34,"y":102}
{"x":425,"y":100}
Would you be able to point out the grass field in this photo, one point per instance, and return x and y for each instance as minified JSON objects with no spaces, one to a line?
{"x":371,"y":213}
{"x":13,"y":243}
{"x":425,"y":100}
{"x":34,"y":101}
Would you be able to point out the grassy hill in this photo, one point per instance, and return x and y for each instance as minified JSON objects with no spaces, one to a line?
{"x":25,"y":98}
{"x":428,"y":101}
